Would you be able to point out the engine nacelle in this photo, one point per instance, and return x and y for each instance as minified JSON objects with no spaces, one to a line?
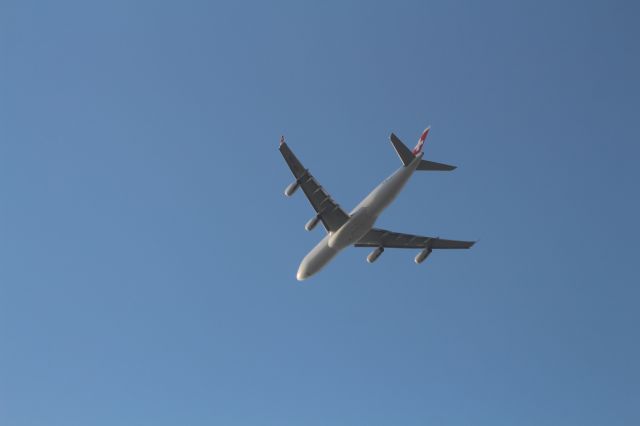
{"x":374,"y":255}
{"x":291,"y":189}
{"x":312,"y":223}
{"x":422,"y":255}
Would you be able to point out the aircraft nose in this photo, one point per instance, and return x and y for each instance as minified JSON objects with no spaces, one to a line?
{"x":303,"y":271}
{"x":302,"y":274}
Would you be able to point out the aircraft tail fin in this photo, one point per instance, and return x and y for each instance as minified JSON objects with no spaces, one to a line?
{"x":423,"y":137}
{"x":407,"y":156}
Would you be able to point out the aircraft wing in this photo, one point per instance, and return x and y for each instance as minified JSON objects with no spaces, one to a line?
{"x":329,"y":212}
{"x":382,"y":238}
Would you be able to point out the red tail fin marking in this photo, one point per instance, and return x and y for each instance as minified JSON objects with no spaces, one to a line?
{"x":418,"y":149}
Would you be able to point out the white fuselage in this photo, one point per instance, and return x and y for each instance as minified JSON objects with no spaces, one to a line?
{"x":361,"y":220}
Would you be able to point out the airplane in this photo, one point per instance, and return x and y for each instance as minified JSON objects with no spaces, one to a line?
{"x":356,"y":228}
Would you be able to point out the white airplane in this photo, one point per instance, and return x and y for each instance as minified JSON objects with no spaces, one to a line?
{"x":356,"y":228}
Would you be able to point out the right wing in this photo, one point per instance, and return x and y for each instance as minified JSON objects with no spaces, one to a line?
{"x":329,"y":212}
{"x":382,"y":238}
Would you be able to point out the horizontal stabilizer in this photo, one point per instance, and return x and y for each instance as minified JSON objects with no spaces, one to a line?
{"x":432,"y":165}
{"x":405,"y":154}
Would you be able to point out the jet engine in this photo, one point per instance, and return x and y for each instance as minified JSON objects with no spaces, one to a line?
{"x":312,"y":223}
{"x":423,"y":255}
{"x":374,"y":255}
{"x":291,"y":189}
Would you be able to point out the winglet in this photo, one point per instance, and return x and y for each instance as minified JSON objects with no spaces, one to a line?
{"x":281,"y":140}
{"x":418,"y":149}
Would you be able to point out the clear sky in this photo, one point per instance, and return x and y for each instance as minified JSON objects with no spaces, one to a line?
{"x":148,"y":255}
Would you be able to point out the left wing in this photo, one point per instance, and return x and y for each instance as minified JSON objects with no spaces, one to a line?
{"x":328,"y":211}
{"x":382,"y":238}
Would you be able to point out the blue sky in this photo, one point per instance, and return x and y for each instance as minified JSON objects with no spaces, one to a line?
{"x":148,"y":256}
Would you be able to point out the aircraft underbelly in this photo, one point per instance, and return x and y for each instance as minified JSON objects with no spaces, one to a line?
{"x":381,"y":197}
{"x":359,"y":224}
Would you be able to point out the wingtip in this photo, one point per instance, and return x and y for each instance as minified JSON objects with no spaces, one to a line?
{"x":281,"y":140}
